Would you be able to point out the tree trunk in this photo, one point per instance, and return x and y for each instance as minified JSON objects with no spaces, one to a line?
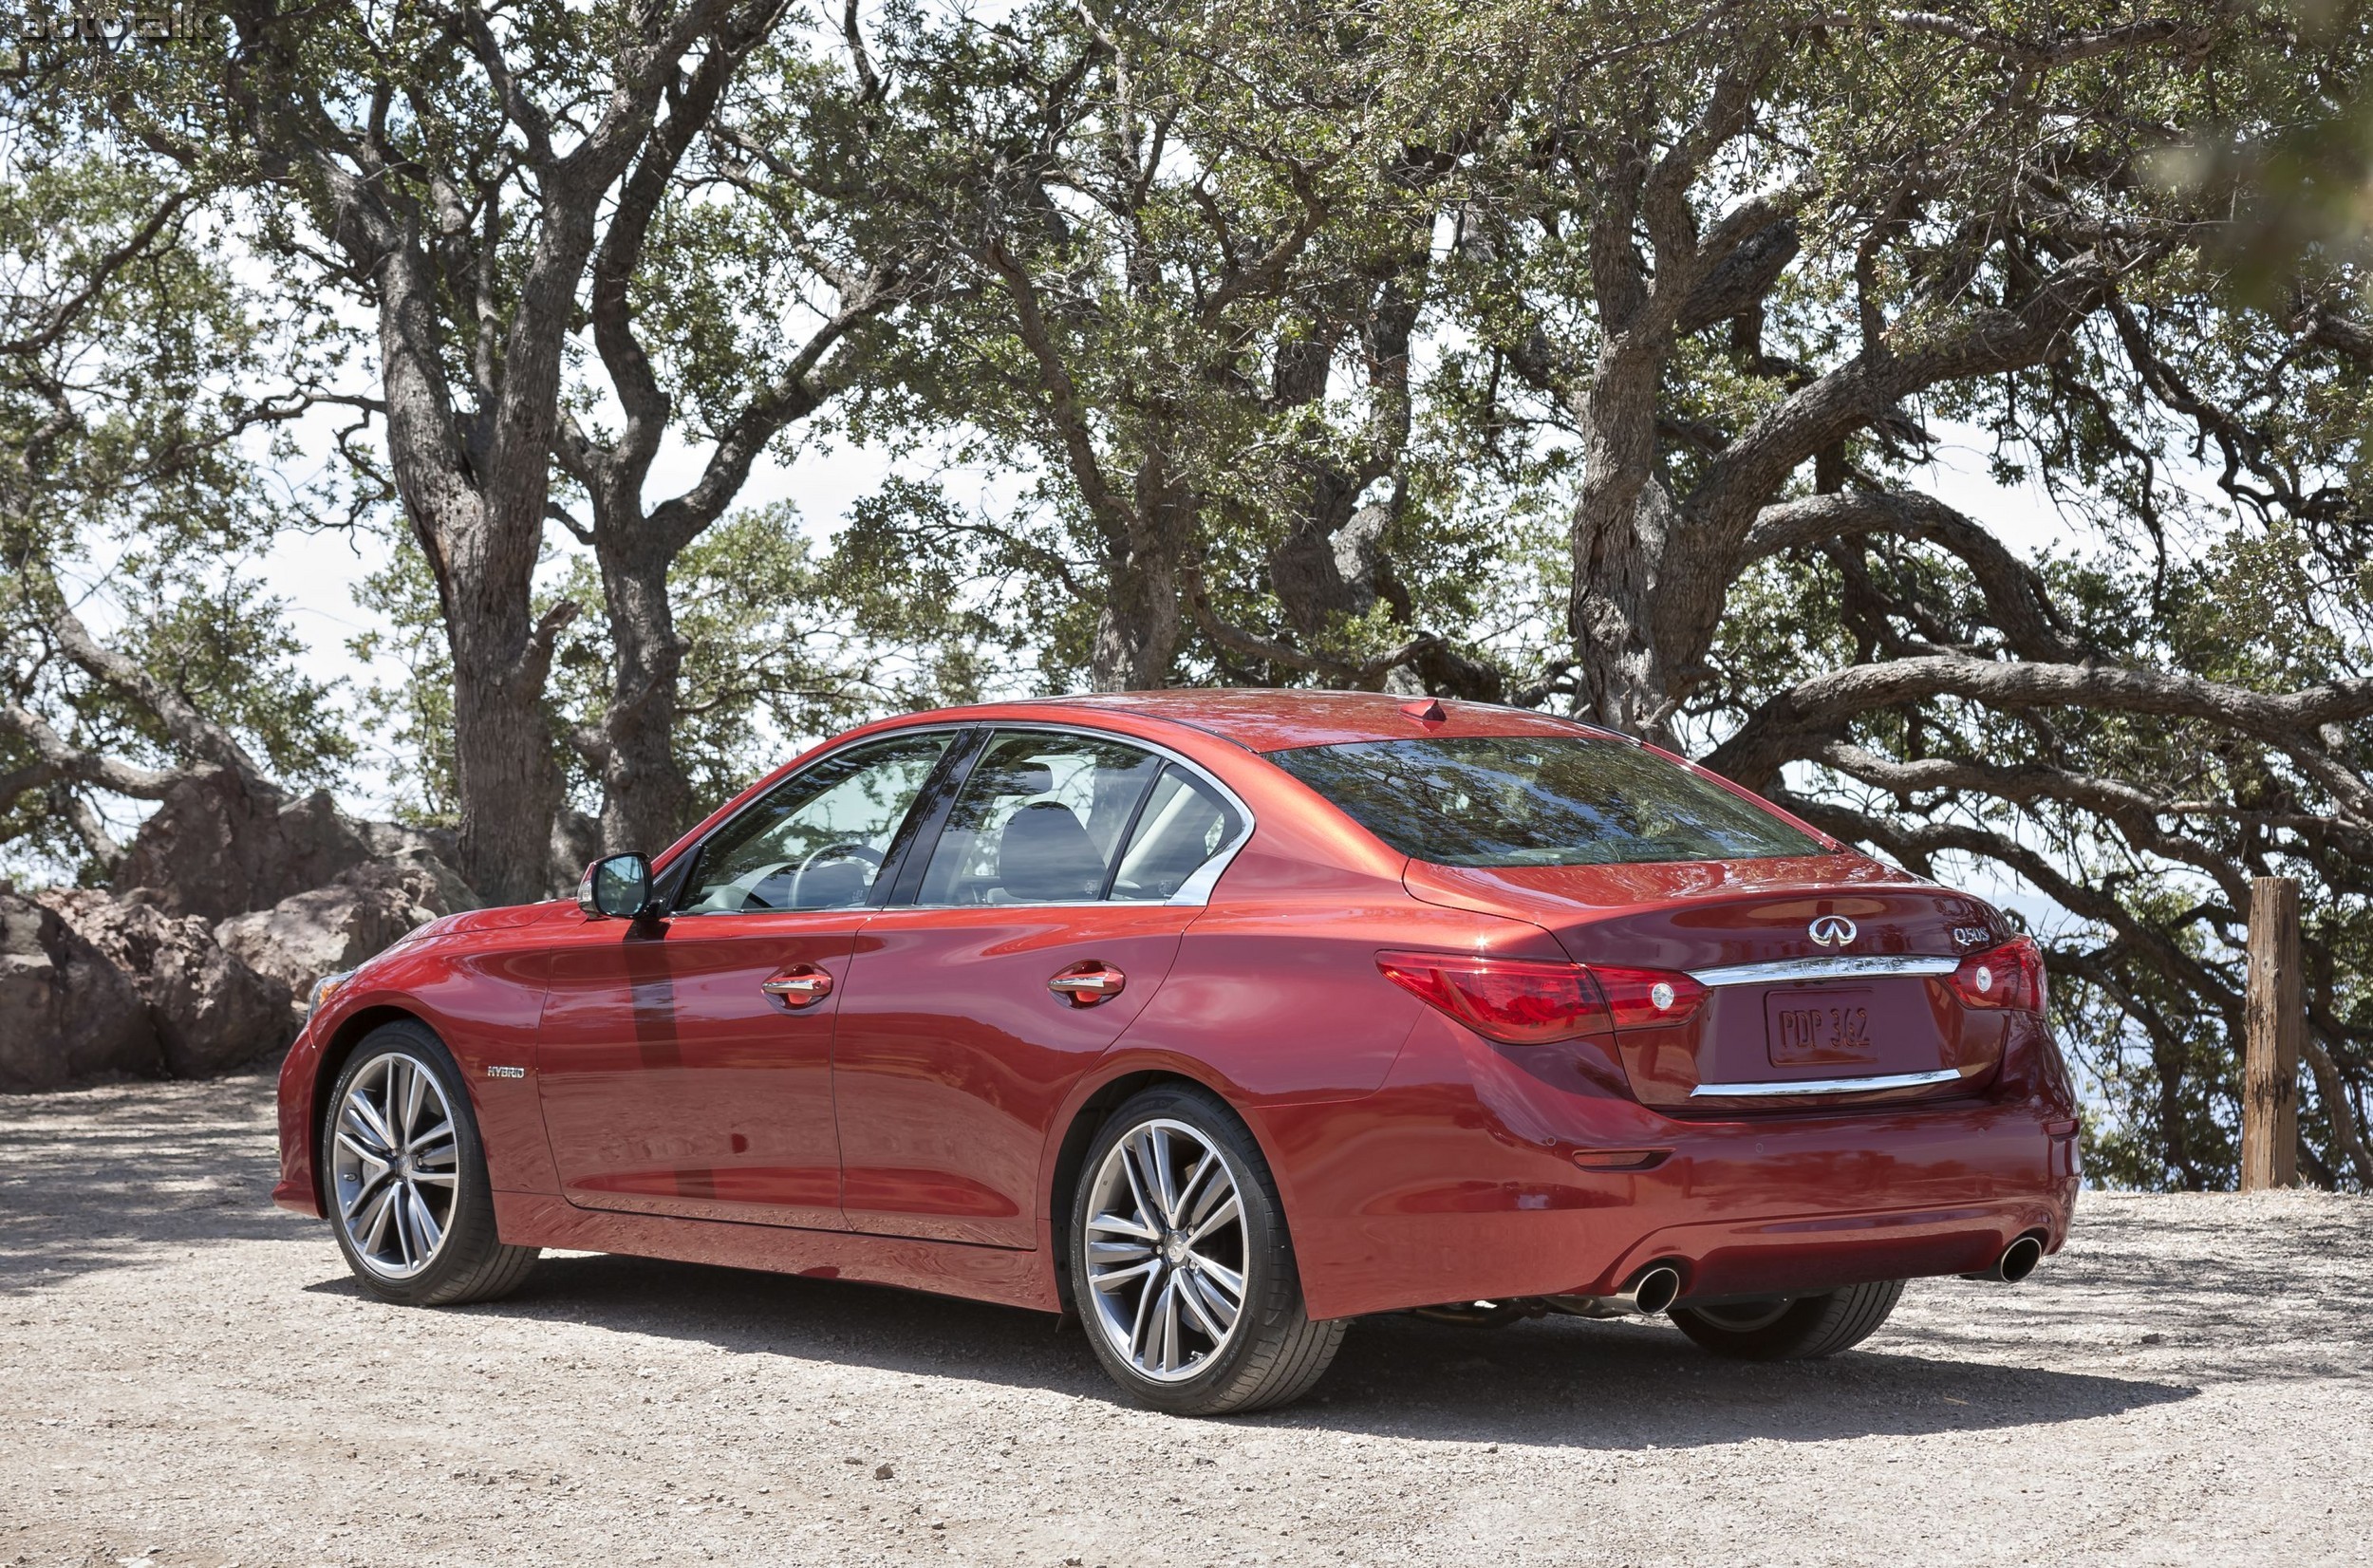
{"x":481,"y":540}
{"x":1138,"y":625}
{"x":646,"y":801}
{"x":1621,"y":522}
{"x":505,"y":771}
{"x":1332,"y":563}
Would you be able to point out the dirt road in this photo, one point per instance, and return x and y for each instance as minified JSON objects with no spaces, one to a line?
{"x":187,"y":1376}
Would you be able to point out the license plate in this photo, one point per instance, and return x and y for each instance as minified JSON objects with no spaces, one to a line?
{"x":1807,"y":1028}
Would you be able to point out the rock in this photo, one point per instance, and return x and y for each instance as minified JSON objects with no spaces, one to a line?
{"x":215,"y":849}
{"x":395,"y":840}
{"x":65,"y":1012}
{"x":576,"y":844}
{"x":210,"y":1010}
{"x":434,"y":885}
{"x":325,"y":929}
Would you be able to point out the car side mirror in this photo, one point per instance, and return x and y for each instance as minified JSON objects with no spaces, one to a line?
{"x":617,"y":887}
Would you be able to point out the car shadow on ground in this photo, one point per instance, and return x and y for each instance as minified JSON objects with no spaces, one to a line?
{"x":104,"y":1178}
{"x":1551,"y":1382}
{"x":1640,"y":1384}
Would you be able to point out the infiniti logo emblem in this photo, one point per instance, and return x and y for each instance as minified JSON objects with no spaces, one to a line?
{"x":1832,"y":930}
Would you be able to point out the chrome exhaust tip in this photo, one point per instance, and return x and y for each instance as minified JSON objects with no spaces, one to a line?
{"x":1651,"y":1290}
{"x":1655,"y":1289}
{"x":2017,"y":1262}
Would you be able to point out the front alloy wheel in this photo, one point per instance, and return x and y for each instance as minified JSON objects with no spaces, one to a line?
{"x":1181,"y":1265}
{"x":393,"y":1169}
{"x":405,"y":1176}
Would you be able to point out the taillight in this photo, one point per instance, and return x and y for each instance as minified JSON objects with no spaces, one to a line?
{"x":2009,"y":976}
{"x":1516,"y":1001}
{"x":1639,"y":998}
{"x":1525,"y":1001}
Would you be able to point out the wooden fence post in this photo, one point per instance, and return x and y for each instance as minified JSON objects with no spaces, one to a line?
{"x":2277,"y":1019}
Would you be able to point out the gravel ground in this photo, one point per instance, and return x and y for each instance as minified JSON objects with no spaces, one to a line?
{"x":187,"y":1376}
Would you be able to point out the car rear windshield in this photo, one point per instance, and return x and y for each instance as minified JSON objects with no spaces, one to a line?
{"x":1537,"y":800}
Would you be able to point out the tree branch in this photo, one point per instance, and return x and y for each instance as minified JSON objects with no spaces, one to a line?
{"x":2032,"y":53}
{"x":2021,"y":606}
{"x":1237,"y":640}
{"x":1804,"y":716}
{"x":1063,"y":401}
{"x":59,"y":762}
{"x":196,"y":735}
{"x":63,"y":314}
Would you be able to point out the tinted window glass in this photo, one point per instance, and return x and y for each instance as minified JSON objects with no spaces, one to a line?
{"x":1186,"y":822}
{"x":1037,"y":821}
{"x":815,"y":840}
{"x":1537,"y":800}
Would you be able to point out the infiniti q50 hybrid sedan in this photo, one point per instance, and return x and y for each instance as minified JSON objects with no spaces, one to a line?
{"x":1217,"y":1019}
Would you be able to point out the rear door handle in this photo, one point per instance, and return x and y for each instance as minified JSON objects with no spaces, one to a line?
{"x":1086,"y":984}
{"x":799,"y":987}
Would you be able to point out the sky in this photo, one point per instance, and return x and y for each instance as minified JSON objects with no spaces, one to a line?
{"x":319,"y":574}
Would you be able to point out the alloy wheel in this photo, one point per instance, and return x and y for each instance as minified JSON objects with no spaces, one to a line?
{"x":396,"y":1167}
{"x":1165,"y":1250}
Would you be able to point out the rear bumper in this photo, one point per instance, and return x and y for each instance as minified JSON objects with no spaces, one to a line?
{"x":1762,"y":1210}
{"x":1803,"y":1254}
{"x":1486,"y":1200}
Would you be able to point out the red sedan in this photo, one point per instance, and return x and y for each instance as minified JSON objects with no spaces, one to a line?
{"x":1216,"y":1018}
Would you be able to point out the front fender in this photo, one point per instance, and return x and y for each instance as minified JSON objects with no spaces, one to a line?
{"x":484,"y":998}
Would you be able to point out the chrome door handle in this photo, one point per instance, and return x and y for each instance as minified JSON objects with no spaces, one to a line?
{"x":798,"y":988}
{"x":1086,"y":984}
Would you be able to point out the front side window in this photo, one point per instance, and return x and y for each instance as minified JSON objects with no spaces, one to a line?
{"x":818,"y":839}
{"x":1538,"y":800}
{"x":1038,"y":820}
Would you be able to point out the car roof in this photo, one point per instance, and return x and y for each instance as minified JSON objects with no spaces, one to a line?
{"x":1269,"y":719}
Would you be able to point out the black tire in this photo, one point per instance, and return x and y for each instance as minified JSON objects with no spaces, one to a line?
{"x":470,"y":1262}
{"x":1274,"y":1352}
{"x":1792,"y":1329}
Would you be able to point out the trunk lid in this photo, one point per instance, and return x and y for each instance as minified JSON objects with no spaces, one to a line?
{"x":1787,"y":1015}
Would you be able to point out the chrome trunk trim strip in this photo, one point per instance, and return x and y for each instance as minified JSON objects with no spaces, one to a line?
{"x":1852,"y":966}
{"x":1823,"y":1086}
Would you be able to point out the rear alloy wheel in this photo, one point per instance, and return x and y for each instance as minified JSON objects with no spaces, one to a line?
{"x":1798,"y":1328}
{"x":407,"y":1191}
{"x":1181,"y":1266}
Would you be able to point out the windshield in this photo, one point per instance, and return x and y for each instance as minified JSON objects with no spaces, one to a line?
{"x":1538,"y":800}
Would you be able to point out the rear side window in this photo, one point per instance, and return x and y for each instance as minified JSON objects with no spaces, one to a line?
{"x":1538,"y":800}
{"x":1184,"y":823}
{"x":1038,"y":820}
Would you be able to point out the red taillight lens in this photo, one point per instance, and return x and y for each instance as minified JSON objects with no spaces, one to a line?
{"x":1516,"y":1001}
{"x":1525,"y":1001}
{"x":1640,"y":998}
{"x":2009,"y":977}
